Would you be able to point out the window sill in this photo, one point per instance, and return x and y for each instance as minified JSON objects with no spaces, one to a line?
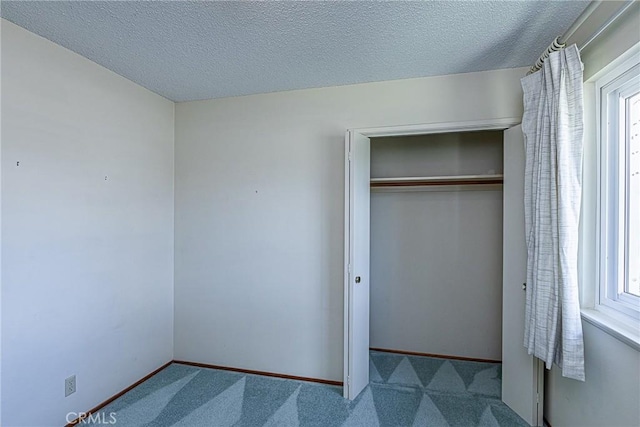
{"x":625,"y":331}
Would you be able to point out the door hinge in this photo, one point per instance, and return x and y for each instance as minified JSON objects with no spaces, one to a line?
{"x":538,"y":398}
{"x":349,"y":269}
{"x":348,"y":381}
{"x":349,"y":155}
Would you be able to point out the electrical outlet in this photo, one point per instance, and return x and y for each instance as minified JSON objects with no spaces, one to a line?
{"x":70,"y":385}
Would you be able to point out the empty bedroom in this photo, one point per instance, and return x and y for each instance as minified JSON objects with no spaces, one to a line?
{"x":320,"y":213}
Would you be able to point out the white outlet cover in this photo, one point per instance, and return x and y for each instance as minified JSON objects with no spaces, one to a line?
{"x":70,"y":385}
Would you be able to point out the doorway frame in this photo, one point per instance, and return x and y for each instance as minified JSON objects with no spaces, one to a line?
{"x":391,"y":131}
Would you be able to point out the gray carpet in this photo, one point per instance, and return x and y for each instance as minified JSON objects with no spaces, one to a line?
{"x":404,"y":391}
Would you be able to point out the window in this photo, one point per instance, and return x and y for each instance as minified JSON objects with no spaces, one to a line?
{"x":632,"y":285}
{"x":618,"y":97}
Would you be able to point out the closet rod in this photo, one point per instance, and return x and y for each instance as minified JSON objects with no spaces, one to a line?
{"x":432,"y":183}
{"x":436,"y":181}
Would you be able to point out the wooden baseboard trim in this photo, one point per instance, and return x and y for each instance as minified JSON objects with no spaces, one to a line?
{"x":439,"y":356}
{"x":266,"y":374}
{"x":115,"y":396}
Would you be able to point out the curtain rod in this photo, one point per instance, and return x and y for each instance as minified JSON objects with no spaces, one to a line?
{"x":610,"y":21}
{"x":560,"y":41}
{"x":578,"y":22}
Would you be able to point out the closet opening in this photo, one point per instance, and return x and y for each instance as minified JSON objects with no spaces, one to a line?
{"x":436,"y":244}
{"x":435,"y":253}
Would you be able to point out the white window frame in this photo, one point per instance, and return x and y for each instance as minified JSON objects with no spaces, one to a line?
{"x":611,"y":89}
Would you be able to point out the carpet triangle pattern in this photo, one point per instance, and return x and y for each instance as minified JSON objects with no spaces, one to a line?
{"x":404,"y":391}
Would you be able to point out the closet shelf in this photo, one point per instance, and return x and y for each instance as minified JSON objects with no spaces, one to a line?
{"x":420,"y":181}
{"x":438,"y":183}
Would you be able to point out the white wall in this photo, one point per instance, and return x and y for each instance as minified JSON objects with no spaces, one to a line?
{"x":609,"y":396}
{"x":259,"y":212}
{"x":435,"y":255}
{"x":87,"y":261}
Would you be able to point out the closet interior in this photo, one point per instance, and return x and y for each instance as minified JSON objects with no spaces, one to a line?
{"x":436,"y":244}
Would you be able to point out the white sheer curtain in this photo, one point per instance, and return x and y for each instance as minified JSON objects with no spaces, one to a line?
{"x":552,"y":126}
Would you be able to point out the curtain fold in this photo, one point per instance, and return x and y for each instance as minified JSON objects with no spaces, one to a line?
{"x":553,"y":128}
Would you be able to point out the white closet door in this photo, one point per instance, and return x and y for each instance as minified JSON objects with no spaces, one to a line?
{"x":522,"y":374}
{"x":356,"y":364}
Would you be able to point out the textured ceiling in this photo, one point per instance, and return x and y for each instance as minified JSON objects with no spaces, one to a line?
{"x":188,"y":50}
